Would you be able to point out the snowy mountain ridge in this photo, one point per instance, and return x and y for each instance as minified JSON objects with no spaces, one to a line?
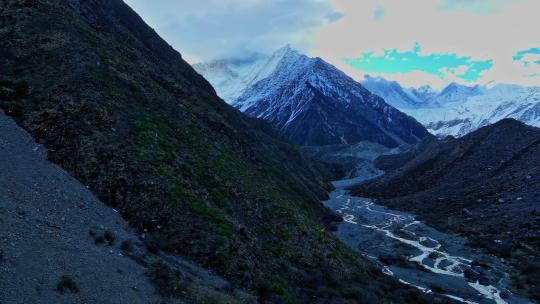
{"x":497,"y":103}
{"x":305,"y":71}
{"x":393,"y":93}
{"x":457,"y":109}
{"x":454,"y":110}
{"x":231,"y":77}
{"x":313,"y":102}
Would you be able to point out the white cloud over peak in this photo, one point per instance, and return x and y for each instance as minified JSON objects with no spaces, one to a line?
{"x":340,"y":30}
{"x":480,"y":29}
{"x":209,"y":29}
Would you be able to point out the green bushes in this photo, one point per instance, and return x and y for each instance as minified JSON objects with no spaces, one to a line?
{"x":10,"y":90}
{"x":168,"y":283}
{"x":274,"y":290}
{"x":215,"y":216}
{"x":11,"y":94}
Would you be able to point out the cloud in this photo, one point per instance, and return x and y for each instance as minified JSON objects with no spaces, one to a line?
{"x":529,"y":61}
{"x":379,"y":12}
{"x":481,"y":7}
{"x":208,"y":29}
{"x":440,"y":65}
{"x":440,"y":27}
{"x":477,"y":30}
{"x":519,"y":55}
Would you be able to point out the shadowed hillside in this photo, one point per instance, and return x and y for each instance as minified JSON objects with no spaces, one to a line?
{"x":121,"y":111}
{"x":485,"y":186}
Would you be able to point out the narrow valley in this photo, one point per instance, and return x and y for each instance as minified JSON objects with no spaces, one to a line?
{"x":417,"y":254}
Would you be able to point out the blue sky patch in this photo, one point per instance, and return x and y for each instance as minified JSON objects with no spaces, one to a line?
{"x":521,"y":54}
{"x":395,"y":62}
{"x":527,"y":62}
{"x":480,"y":7}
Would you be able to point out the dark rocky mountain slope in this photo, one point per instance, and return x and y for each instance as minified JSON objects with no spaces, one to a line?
{"x":59,"y":244}
{"x":120,"y":110}
{"x":485,"y":186}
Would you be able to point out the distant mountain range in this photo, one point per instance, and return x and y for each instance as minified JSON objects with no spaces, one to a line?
{"x":457,"y":109}
{"x":295,"y":93}
{"x":310,"y":101}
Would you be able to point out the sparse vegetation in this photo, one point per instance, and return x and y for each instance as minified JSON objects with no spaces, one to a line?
{"x":126,"y":245}
{"x":99,"y":239}
{"x":168,"y":283}
{"x":109,"y":237}
{"x":11,"y":94}
{"x":278,"y":286}
{"x":66,"y":284}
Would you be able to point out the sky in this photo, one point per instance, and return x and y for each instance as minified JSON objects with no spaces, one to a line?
{"x":415,"y":42}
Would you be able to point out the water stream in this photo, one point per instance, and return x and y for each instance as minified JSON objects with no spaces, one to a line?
{"x":419,"y":255}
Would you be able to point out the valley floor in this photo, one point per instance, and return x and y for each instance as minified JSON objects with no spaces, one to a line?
{"x":419,"y":255}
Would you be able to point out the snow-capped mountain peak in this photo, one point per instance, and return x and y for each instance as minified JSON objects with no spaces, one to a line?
{"x":314,"y":103}
{"x":423,"y":94}
{"x":392,"y":92}
{"x":455,"y":92}
{"x":231,"y":77}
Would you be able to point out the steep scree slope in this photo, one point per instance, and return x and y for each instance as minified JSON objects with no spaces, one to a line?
{"x":59,"y":244}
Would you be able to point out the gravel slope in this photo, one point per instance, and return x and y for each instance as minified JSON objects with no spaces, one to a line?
{"x":46,"y":217}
